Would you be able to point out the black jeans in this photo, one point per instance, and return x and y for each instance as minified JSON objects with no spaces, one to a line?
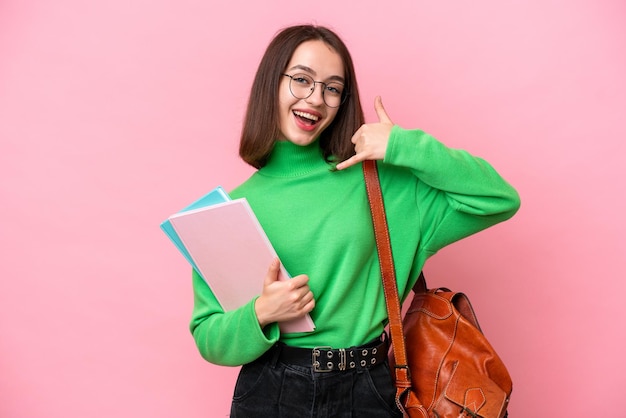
{"x":267,"y":388}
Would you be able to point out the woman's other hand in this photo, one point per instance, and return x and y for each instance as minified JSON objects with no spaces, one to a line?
{"x":283,"y":300}
{"x":370,"y":140}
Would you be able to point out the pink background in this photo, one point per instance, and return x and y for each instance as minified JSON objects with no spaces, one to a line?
{"x":114,"y":114}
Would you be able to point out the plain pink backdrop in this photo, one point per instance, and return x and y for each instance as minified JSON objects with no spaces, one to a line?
{"x":115,"y":114}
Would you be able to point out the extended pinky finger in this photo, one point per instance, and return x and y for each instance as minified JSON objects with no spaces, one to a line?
{"x":355,"y":159}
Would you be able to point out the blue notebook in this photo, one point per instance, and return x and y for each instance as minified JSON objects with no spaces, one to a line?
{"x":215,"y":196}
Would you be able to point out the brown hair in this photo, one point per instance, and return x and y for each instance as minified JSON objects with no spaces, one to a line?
{"x":261,"y":123}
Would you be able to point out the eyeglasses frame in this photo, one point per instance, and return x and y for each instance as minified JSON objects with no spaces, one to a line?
{"x":344,"y":94}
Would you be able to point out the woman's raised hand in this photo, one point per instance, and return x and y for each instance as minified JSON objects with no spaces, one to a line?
{"x":282,"y":300}
{"x":370,"y":140}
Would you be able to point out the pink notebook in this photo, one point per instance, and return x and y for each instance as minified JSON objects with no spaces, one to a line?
{"x":232,"y":254}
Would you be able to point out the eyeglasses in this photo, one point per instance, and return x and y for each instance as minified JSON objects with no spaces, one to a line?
{"x":302,"y":86}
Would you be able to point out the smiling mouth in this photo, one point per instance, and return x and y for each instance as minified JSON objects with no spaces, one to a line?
{"x":306,"y":118}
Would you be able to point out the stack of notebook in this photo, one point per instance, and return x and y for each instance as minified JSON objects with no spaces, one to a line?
{"x":224,"y":242}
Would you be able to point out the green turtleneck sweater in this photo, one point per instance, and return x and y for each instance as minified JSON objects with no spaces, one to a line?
{"x":319,"y":222}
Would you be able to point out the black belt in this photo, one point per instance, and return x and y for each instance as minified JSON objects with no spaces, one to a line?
{"x":327,"y":359}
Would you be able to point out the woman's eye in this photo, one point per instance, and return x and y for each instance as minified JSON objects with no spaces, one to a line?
{"x":334,"y":89}
{"x":301,"y":80}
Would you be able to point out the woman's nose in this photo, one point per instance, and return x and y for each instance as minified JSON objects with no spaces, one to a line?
{"x":317,"y":97}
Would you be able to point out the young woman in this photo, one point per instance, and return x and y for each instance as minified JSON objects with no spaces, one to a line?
{"x":304,"y":131}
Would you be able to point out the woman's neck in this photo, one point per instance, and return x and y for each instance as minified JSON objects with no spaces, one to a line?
{"x":291,"y":160}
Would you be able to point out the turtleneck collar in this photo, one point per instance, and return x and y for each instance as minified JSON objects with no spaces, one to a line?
{"x":291,"y":160}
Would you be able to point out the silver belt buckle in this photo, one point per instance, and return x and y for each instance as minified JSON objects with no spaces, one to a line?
{"x":342,"y":358}
{"x":315,"y":354}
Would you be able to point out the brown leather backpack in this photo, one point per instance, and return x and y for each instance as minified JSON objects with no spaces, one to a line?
{"x":455,"y":370}
{"x":443,"y":365}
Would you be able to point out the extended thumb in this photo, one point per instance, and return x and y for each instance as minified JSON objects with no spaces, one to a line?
{"x":272,"y":271}
{"x":380,"y":111}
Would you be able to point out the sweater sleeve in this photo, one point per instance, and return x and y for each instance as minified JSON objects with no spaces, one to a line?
{"x":229,"y":338}
{"x":457,"y":194}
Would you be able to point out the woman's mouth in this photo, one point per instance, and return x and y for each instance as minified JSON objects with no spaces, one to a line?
{"x":306,"y":120}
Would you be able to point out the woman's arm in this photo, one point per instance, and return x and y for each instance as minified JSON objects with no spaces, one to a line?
{"x":236,"y":337}
{"x":228,"y":338}
{"x":457,"y":193}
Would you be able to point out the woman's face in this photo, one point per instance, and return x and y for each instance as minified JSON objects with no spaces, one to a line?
{"x":303,"y":120}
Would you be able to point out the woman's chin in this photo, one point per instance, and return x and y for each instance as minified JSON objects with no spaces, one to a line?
{"x":301,"y":140}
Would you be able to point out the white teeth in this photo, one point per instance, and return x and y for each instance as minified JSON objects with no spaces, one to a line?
{"x":306,"y":115}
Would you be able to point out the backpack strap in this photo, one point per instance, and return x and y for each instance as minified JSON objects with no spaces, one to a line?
{"x":387,"y":270}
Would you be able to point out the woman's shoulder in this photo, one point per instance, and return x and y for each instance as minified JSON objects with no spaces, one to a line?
{"x":255,"y":183}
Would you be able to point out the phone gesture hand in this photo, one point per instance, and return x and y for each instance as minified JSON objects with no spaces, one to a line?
{"x":370,"y":140}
